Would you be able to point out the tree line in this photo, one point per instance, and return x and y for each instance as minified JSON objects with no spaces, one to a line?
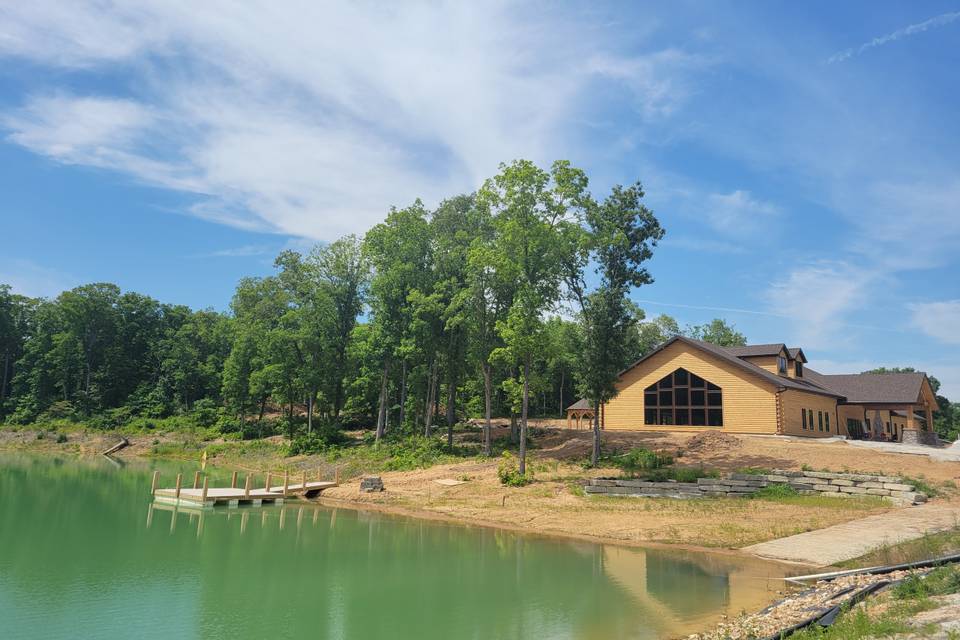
{"x":510,"y":302}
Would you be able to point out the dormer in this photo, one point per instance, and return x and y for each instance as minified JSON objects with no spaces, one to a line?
{"x":774,"y":358}
{"x":795,"y":361}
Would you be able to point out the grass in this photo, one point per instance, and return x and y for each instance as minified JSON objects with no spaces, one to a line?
{"x":930,"y":546}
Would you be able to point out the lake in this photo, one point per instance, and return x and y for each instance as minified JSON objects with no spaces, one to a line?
{"x":85,"y":554}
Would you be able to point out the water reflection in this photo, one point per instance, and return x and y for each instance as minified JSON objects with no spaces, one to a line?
{"x":84,"y":553}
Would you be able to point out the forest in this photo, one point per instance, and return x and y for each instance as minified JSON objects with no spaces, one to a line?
{"x":510,"y":302}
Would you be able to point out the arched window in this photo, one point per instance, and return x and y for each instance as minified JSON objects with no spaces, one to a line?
{"x":683,"y":399}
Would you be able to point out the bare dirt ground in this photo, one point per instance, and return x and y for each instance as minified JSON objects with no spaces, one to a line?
{"x":555,"y":505}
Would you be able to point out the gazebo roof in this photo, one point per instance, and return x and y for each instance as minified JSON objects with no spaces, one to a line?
{"x":580,"y":404}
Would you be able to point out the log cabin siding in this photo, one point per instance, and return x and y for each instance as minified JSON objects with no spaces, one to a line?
{"x":793,"y":401}
{"x":749,"y":401}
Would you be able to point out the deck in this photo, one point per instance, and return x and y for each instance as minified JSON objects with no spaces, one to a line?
{"x":233,"y":496}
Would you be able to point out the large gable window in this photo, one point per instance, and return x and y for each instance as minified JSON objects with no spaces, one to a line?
{"x":683,"y":399}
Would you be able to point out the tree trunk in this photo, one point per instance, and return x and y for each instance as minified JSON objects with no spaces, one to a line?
{"x":382,"y":410}
{"x":595,"y":455}
{"x":514,"y":435}
{"x":310,"y":402}
{"x":487,"y":401}
{"x":560,"y":411}
{"x":451,"y":408}
{"x":263,"y":408}
{"x":403,"y":394}
{"x":523,"y":416}
{"x":431,"y":393}
{"x":3,"y":382}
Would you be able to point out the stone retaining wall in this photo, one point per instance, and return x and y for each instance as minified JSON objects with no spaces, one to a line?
{"x":838,"y":485}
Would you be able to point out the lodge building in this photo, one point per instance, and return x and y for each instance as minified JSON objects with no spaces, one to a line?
{"x":691,"y":385}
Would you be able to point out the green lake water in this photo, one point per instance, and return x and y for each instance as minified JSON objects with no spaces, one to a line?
{"x":85,"y":554}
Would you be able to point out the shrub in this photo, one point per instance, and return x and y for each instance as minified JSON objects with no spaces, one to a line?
{"x":60,"y":410}
{"x":414,"y":452}
{"x":509,"y":472}
{"x":61,"y":438}
{"x":323,"y":437}
{"x":637,"y":460}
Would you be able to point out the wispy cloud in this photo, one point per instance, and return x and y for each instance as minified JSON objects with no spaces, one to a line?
{"x":304,"y":131}
{"x":913,"y":29}
{"x":939,"y":320}
{"x":245,"y":251}
{"x":28,"y":278}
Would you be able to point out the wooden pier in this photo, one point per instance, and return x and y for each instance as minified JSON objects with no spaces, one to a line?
{"x":272,"y":492}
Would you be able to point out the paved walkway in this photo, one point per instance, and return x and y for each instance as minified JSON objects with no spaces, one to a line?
{"x":841,"y":542}
{"x":945,"y":454}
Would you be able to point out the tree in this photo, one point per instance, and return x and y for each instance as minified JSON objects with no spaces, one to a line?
{"x":718,"y":332}
{"x":533,"y":217}
{"x":623,"y":233}
{"x":399,"y":252}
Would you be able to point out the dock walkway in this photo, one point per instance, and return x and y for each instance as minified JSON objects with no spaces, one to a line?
{"x":205,"y":496}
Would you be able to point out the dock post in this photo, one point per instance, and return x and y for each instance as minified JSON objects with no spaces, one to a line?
{"x":303,"y":483}
{"x":246,"y":488}
{"x":179,"y":483}
{"x":203,"y":495}
{"x":196,"y":480}
{"x":286,"y":482}
{"x":153,"y":483}
{"x":336,"y":476}
{"x":233,"y":481}
{"x":268,"y":481}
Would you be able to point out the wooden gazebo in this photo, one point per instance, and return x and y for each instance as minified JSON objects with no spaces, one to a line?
{"x":581,"y":414}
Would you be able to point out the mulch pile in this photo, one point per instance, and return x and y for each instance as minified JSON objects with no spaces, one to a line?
{"x":712,"y":442}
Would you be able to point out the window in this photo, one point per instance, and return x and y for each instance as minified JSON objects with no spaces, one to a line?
{"x":827,"y":421}
{"x":810,"y":418}
{"x":683,"y":399}
{"x":888,"y":427}
{"x":781,"y":365}
{"x":798,"y":369}
{"x":820,"y":419}
{"x":803,"y":414}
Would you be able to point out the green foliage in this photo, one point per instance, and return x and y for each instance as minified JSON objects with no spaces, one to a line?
{"x":718,"y":332}
{"x":775,"y":491}
{"x":61,"y":438}
{"x":941,"y":581}
{"x":509,"y":472}
{"x":639,"y":460}
{"x":322,"y":438}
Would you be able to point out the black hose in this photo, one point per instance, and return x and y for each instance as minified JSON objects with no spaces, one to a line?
{"x":826,"y":617}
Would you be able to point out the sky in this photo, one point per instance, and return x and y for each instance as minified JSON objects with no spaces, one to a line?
{"x":803,"y":157}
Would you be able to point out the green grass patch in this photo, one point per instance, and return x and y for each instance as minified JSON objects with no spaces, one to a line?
{"x":776,"y":492}
{"x":930,"y":546}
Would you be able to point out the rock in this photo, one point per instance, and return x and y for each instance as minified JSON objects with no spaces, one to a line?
{"x":827,"y":488}
{"x":892,"y":486}
{"x":371,"y":484}
{"x":859,"y":490}
{"x":840,"y":482}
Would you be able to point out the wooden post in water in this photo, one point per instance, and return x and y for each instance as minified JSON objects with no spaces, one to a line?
{"x":268,"y":481}
{"x":286,"y":482}
{"x":233,"y":481}
{"x":203,"y":495}
{"x":153,"y":483}
{"x":179,"y":483}
{"x":303,"y":483}
{"x":336,"y":476}
{"x":196,"y":480}
{"x":246,"y":488}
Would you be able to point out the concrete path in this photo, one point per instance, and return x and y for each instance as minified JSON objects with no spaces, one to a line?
{"x":841,"y":542}
{"x":944,"y":454}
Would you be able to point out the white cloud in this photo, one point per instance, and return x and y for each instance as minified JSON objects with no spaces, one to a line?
{"x":821,"y":297}
{"x":939,"y":320}
{"x":33,"y":280}
{"x":312,"y":119}
{"x":913,"y":29}
{"x":738,"y":213}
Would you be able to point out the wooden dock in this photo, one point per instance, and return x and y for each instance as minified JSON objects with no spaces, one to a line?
{"x":203,"y":496}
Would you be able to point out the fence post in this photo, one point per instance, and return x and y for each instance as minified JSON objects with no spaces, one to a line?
{"x":179,"y":483}
{"x":203,"y":496}
{"x":196,"y":480}
{"x":233,"y":481}
{"x":153,"y":483}
{"x":268,"y":481}
{"x":286,"y":482}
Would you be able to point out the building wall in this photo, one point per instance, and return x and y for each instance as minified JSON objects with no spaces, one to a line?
{"x":749,"y":402}
{"x":845,"y":411}
{"x":792,"y":401}
{"x":765,"y":362}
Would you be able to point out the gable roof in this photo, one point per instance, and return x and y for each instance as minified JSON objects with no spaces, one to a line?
{"x":796,"y":353}
{"x":875,"y":388}
{"x":727,"y":355}
{"x":582,"y":403}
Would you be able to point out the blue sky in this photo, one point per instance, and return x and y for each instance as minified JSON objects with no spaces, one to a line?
{"x":803,"y":157}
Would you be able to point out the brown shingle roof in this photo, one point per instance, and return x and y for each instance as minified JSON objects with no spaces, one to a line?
{"x":753,"y":350}
{"x":893,"y":388}
{"x":728,"y":356}
{"x":796,"y":352}
{"x":582,"y":403}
